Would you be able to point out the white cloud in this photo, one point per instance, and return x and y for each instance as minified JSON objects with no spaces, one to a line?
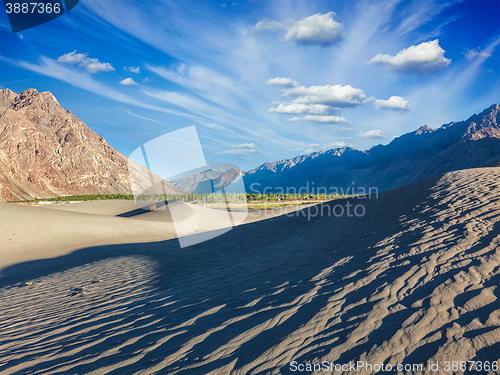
{"x":473,"y":53}
{"x":241,"y":150}
{"x":282,"y":81}
{"x":316,"y":29}
{"x":319,"y":29}
{"x":325,"y":119}
{"x":331,"y":95}
{"x":128,"y":82}
{"x":316,"y":100}
{"x":91,"y":65}
{"x":72,"y":57}
{"x":296,"y":108}
{"x":94,"y":66}
{"x":427,"y":57}
{"x":131,"y":69}
{"x":372,"y":134}
{"x":394,"y":103}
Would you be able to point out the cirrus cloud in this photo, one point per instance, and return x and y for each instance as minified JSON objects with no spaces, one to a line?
{"x":241,"y":151}
{"x":425,"y":58}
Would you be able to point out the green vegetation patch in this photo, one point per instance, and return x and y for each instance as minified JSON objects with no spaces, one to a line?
{"x":198,"y":198}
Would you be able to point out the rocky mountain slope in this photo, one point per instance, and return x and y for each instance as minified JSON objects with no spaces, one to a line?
{"x":411,"y":157}
{"x":190,"y":182}
{"x":199,"y":183}
{"x":46,"y":151}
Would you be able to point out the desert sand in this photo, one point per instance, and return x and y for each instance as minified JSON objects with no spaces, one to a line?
{"x":414,"y":281}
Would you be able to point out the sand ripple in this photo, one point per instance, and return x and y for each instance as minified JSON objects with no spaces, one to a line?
{"x":415,"y":280}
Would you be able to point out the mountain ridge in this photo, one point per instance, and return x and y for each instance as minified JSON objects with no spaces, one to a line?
{"x":412,"y":156}
{"x":47,"y":151}
{"x":419,"y":154}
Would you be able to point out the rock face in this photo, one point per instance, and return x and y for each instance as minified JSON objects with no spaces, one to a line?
{"x":46,"y":151}
{"x":413,"y":156}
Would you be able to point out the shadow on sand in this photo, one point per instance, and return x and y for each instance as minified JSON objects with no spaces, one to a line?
{"x":286,"y":266}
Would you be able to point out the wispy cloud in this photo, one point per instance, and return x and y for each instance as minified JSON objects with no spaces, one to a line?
{"x":51,"y":68}
{"x":474,"y":53}
{"x":143,"y":117}
{"x":132,"y":69}
{"x":205,"y":83}
{"x":241,"y":151}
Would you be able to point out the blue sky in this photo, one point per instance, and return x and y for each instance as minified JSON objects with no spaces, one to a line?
{"x":262,"y":80}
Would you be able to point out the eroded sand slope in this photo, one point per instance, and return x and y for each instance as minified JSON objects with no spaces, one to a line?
{"x":416,"y":279}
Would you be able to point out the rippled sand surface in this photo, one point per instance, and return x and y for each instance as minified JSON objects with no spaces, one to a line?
{"x":416,"y":280}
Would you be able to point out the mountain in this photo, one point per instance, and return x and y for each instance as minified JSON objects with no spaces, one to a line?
{"x":190,"y":182}
{"x":46,"y":151}
{"x":200,"y":183}
{"x":413,"y":156}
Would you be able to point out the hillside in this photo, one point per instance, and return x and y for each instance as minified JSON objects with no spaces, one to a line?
{"x":46,"y":151}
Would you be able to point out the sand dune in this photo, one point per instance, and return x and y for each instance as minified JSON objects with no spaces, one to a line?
{"x":414,"y":281}
{"x":32,"y":232}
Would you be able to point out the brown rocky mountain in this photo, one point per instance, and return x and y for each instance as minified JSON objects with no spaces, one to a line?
{"x":46,"y":151}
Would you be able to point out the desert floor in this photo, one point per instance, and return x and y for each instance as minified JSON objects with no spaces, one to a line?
{"x":108,"y":289}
